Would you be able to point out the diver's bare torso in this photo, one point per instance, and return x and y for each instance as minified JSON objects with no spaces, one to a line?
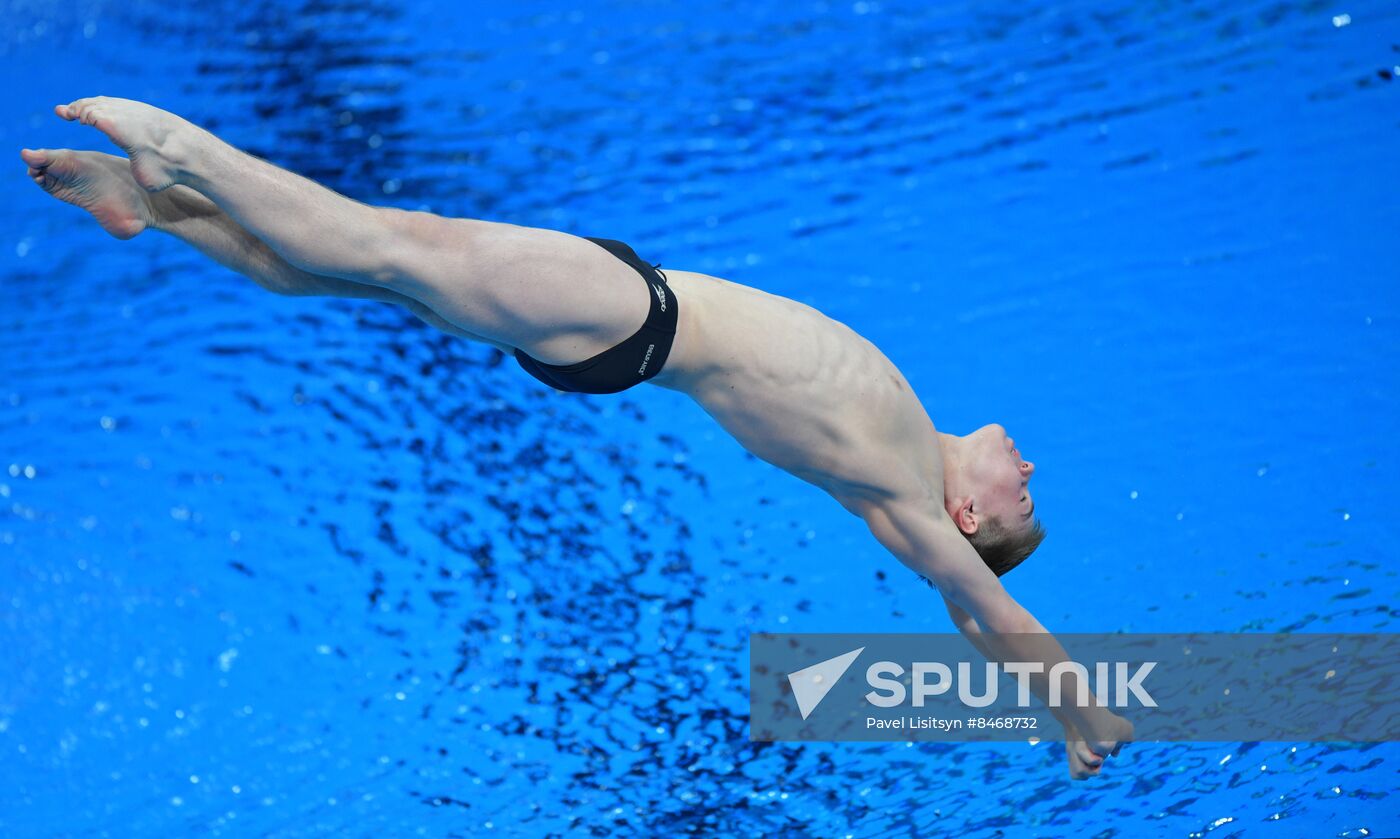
{"x":796,"y":388}
{"x":801,"y":391}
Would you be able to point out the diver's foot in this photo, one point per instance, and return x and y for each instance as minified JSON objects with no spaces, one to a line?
{"x":100,"y":183}
{"x":156,"y":141}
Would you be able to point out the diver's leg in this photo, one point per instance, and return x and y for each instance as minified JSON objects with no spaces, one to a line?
{"x":559,"y":297}
{"x":103,"y":185}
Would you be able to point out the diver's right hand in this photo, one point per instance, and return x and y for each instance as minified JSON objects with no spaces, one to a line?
{"x":1086,"y":756}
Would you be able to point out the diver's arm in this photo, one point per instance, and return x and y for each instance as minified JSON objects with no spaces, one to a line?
{"x":1083,"y":763}
{"x":922,"y":536}
{"x":967,"y":625}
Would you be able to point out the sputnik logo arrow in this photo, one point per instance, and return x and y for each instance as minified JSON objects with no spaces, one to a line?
{"x":810,"y":685}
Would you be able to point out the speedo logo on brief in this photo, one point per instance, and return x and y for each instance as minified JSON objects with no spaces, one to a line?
{"x":646,"y":359}
{"x":660,"y":295}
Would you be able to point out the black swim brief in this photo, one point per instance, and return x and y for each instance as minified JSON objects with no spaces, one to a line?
{"x":634,"y":360}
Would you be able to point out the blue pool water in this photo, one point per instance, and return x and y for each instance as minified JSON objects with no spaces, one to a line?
{"x":296,"y":567}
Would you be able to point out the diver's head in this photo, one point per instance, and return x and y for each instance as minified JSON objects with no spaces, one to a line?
{"x":986,"y":489}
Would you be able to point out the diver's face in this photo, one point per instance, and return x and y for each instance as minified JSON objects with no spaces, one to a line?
{"x":1001,"y":477}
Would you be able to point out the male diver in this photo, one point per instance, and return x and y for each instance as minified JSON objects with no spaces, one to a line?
{"x":794,"y":387}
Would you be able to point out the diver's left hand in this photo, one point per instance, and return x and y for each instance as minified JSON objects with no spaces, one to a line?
{"x":1083,"y":762}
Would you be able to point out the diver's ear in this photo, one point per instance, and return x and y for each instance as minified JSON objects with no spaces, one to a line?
{"x":965,"y":517}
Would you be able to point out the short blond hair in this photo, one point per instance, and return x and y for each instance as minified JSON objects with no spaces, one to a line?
{"x":1002,"y":548}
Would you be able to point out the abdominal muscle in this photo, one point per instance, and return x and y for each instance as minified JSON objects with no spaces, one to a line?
{"x":800,"y":390}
